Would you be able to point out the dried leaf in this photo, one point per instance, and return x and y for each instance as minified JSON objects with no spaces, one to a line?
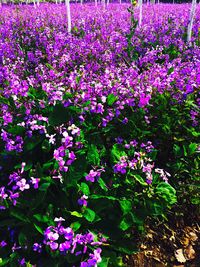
{"x":190,"y":253}
{"x":143,"y":246}
{"x":157,"y":259}
{"x":193,"y":236}
{"x":185,"y":241}
{"x":179,"y":255}
{"x":172,"y":238}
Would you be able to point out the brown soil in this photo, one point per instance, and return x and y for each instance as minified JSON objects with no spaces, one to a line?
{"x":173,"y":243}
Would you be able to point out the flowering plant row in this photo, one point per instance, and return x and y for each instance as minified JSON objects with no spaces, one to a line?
{"x":99,"y":131}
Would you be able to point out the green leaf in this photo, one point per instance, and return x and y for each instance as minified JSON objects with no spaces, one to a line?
{"x":170,"y":70}
{"x":49,"y":66}
{"x":67,"y":95}
{"x":31,"y":143}
{"x":104,"y":262}
{"x":119,"y":262}
{"x":39,"y":229}
{"x":113,"y":259}
{"x":102,"y":184}
{"x":59,"y":115}
{"x":46,"y":146}
{"x":41,"y":218}
{"x":89,"y":215}
{"x":85,"y":189}
{"x":111,"y":99}
{"x":44,"y":186}
{"x":195,"y":200}
{"x":139,"y":179}
{"x":116,"y":153}
{"x":156,"y":208}
{"x":136,"y":219}
{"x":37,"y":200}
{"x":167,"y":192}
{"x":102,"y":196}
{"x":195,"y":134}
{"x":192,"y":148}
{"x":125,"y":224}
{"x":177,"y":150}
{"x":76,"y":214}
{"x":126,"y":206}
{"x":126,"y":246}
{"x":19,"y":215}
{"x":3,"y":99}
{"x":93,"y":155}
{"x":48,"y":165}
{"x":22,"y":239}
{"x":4,"y":262}
{"x":75,"y":226}
{"x":185,"y":150}
{"x":16,"y":130}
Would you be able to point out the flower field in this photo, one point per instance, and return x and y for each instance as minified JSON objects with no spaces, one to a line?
{"x":99,"y":129}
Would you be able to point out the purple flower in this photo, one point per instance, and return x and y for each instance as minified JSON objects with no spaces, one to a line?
{"x":133,"y":143}
{"x":149,"y":178}
{"x":67,"y":140}
{"x":35,"y":182}
{"x":8,"y":118}
{"x":93,"y":260}
{"x":71,"y":157}
{"x":54,"y":237}
{"x":14,"y":177}
{"x":96,"y":255}
{"x":74,"y":129}
{"x":84,"y":264}
{"x":37,"y":247}
{"x":67,"y":232}
{"x":119,"y":140}
{"x":127,"y":146}
{"x":3,"y":244}
{"x":83,"y":201}
{"x":13,"y":197}
{"x":53,"y":245}
{"x":144,"y":100}
{"x":125,"y":121}
{"x":65,"y":246}
{"x":121,"y":166}
{"x":93,"y":175}
{"x":22,"y":262}
{"x":3,"y":195}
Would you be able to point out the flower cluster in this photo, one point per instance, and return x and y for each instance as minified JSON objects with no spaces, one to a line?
{"x":66,"y":241}
{"x":140,"y":162}
{"x":16,"y":185}
{"x":94,"y":175}
{"x":92,"y":120}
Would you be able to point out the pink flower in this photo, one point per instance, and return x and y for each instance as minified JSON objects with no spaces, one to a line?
{"x":22,"y":185}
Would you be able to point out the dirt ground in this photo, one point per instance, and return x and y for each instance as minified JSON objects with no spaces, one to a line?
{"x":173,"y":243}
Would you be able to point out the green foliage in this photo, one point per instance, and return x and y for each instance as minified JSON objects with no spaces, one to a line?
{"x":131,"y":182}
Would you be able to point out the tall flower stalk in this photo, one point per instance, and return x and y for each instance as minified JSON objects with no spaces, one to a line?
{"x":191,"y":20}
{"x":69,"y":22}
{"x":140,"y":13}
